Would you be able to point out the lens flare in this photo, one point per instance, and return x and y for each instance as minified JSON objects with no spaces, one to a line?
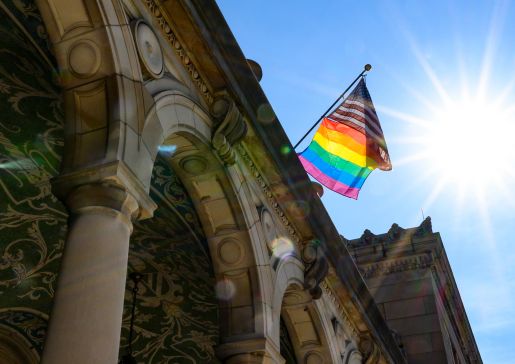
{"x":225,"y":289}
{"x":167,"y":149}
{"x":19,"y":164}
{"x":265,"y":114}
{"x":282,"y":247}
{"x":285,"y":149}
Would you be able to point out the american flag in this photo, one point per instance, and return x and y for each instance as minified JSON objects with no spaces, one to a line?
{"x":358,"y":112}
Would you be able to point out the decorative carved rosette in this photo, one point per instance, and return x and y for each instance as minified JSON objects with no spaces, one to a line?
{"x":149,"y":49}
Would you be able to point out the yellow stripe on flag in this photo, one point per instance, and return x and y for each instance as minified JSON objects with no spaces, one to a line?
{"x":342,"y":139}
{"x":343,"y":152}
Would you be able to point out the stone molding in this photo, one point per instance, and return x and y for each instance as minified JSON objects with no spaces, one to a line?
{"x":344,"y":317}
{"x":116,"y":174}
{"x":172,"y":39}
{"x":397,"y":265}
{"x":268,"y":193}
{"x":316,"y":264}
{"x":105,"y":197}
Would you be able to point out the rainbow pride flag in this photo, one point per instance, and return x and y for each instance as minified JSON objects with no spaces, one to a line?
{"x":348,"y":146}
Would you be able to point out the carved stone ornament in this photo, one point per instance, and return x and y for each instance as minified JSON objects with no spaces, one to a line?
{"x":84,"y":58}
{"x":342,"y":314}
{"x":395,"y":232}
{"x":149,"y":49}
{"x":425,"y":228}
{"x":275,"y":207}
{"x":369,"y":350}
{"x":384,"y":268}
{"x":316,"y":268}
{"x":368,"y":237}
{"x":170,"y":36}
{"x":231,"y":128}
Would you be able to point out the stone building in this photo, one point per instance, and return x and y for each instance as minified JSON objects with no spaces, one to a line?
{"x":135,"y":138}
{"x":411,"y":280}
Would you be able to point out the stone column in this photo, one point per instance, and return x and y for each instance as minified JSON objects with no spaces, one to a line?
{"x":250,"y":351}
{"x":87,"y":311}
{"x":250,"y":358}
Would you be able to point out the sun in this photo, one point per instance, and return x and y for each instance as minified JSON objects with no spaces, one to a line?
{"x":470,"y":143}
{"x":462,"y":139}
{"x":464,"y":144}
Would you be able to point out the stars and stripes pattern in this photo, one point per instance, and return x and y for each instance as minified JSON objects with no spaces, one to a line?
{"x":348,"y":145}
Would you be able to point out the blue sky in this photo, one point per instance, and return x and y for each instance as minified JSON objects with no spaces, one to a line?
{"x":442,"y":82}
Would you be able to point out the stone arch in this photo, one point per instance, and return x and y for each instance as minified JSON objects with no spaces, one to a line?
{"x":113,"y":129}
{"x":182,"y":130}
{"x":177,"y":291}
{"x":330,"y":330}
{"x":289,"y":275}
{"x":104,"y":98}
{"x":304,"y":322}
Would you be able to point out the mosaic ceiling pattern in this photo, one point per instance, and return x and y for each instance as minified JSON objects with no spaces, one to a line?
{"x":177,"y":312}
{"x":176,"y":315}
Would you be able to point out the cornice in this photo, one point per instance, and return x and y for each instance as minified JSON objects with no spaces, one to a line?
{"x":268,"y":193}
{"x":397,"y":265}
{"x":316,"y":263}
{"x":171,"y":37}
{"x":342,"y":313}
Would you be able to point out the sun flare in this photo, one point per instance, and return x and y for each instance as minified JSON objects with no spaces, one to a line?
{"x":471,"y":143}
{"x":465,"y":145}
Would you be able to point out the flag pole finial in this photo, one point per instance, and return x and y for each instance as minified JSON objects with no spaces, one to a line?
{"x":368,"y":67}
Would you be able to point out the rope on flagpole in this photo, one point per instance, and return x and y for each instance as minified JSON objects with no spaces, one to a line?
{"x":365,"y":69}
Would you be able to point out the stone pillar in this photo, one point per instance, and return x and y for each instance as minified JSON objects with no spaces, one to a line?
{"x":87,"y":311}
{"x":250,"y":351}
{"x":249,"y":358}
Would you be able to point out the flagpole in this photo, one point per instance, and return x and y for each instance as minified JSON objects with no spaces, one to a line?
{"x":365,"y":69}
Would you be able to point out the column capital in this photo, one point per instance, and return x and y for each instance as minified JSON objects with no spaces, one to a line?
{"x":110,"y":186}
{"x":105,"y":196}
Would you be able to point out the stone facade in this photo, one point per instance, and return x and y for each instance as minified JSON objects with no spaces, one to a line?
{"x":135,"y":138}
{"x":408,"y":274}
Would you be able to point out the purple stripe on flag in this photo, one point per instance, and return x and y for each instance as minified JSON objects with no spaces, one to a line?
{"x":329,"y":182}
